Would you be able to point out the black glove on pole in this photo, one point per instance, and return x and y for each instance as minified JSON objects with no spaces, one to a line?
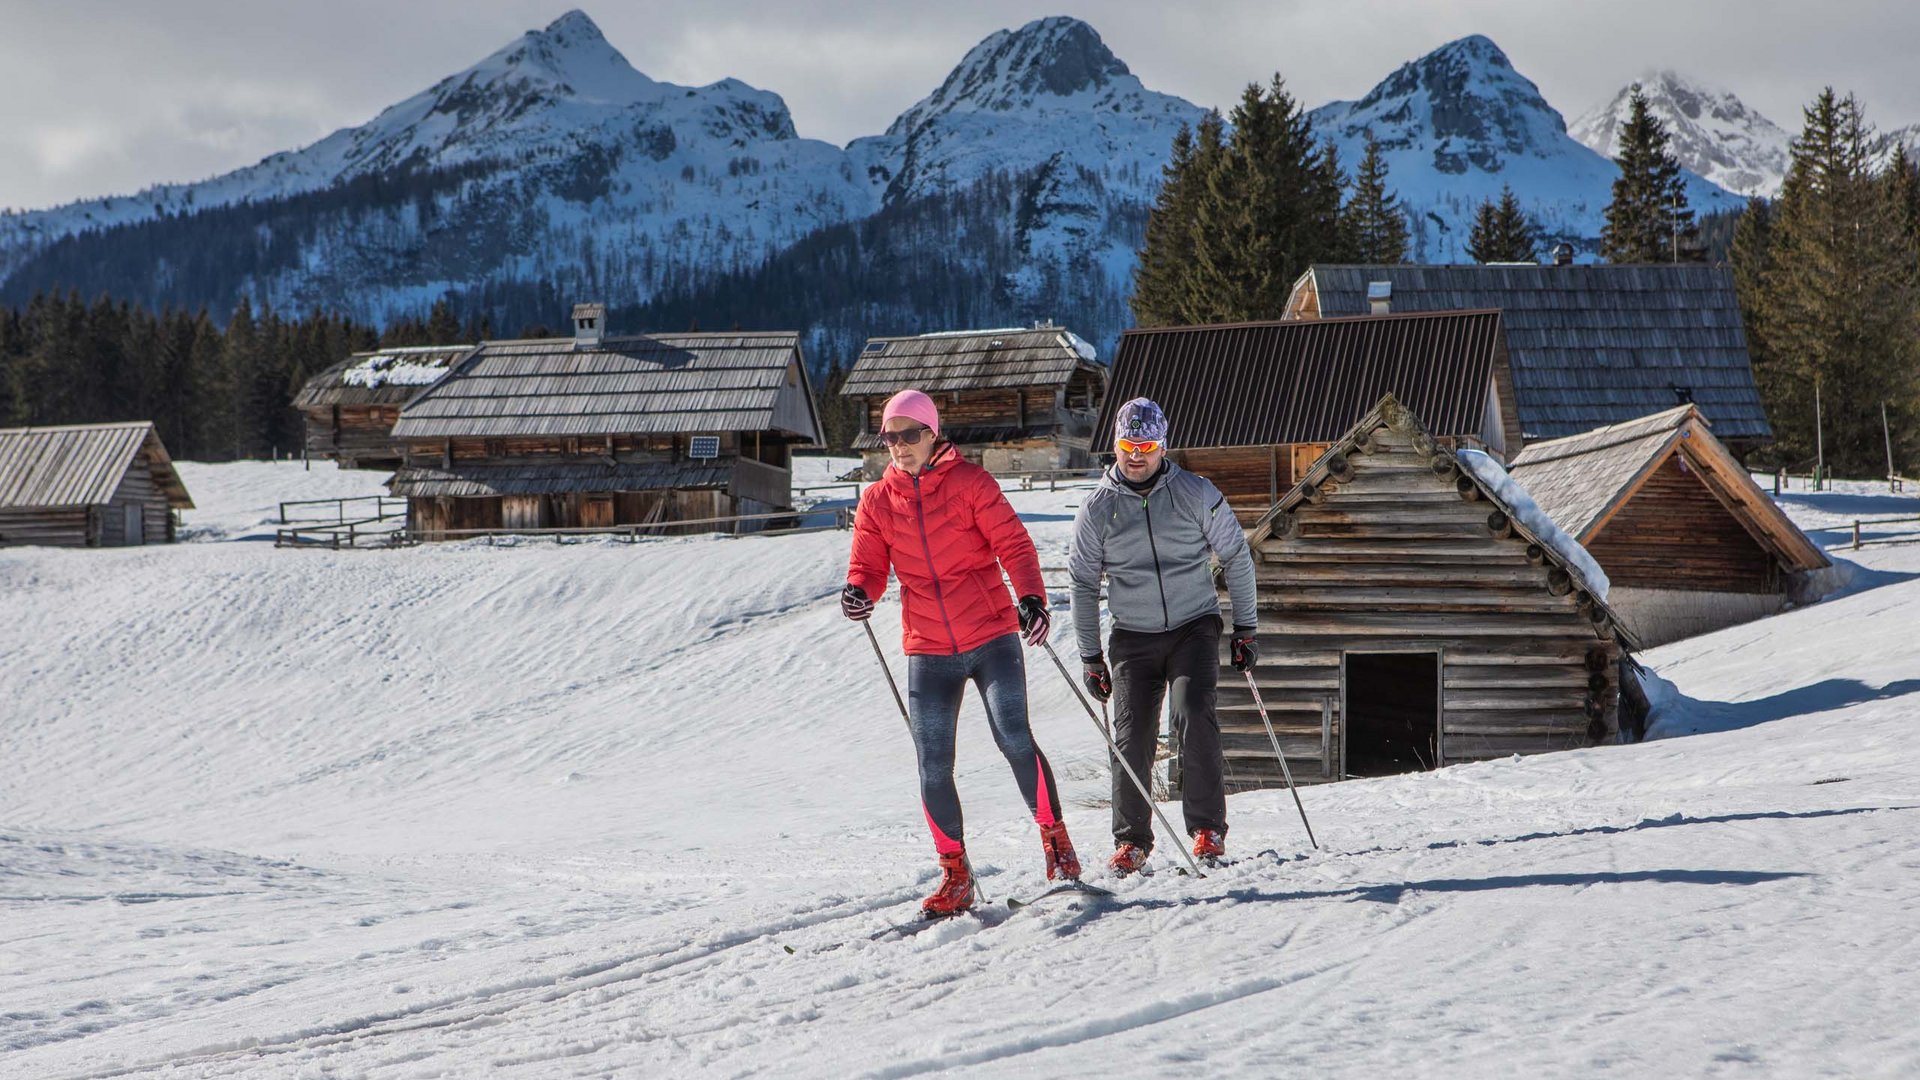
{"x":1034,"y":620}
{"x":1099,"y":680}
{"x":856,"y":605}
{"x":1246,"y":648}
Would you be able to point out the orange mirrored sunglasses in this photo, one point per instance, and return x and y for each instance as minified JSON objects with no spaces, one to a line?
{"x":1128,"y":446}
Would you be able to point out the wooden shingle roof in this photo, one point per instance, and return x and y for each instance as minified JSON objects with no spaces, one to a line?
{"x":81,"y":465}
{"x":1590,"y":345}
{"x":381,"y":377}
{"x":1251,"y":384}
{"x":974,"y":360}
{"x":1583,"y":480}
{"x":657,"y":384}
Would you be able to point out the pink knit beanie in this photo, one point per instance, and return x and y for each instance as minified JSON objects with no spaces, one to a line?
{"x":913,"y":405}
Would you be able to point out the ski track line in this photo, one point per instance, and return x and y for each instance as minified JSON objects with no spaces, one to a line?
{"x":1086,"y":1031}
{"x":534,"y":991}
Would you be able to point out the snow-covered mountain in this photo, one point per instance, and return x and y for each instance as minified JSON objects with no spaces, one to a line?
{"x":1711,"y":131}
{"x":552,"y":170}
{"x":1460,"y":122}
{"x":565,"y":157}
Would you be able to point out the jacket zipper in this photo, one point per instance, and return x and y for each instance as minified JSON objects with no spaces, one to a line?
{"x":939,"y":596}
{"x":1166,"y":618}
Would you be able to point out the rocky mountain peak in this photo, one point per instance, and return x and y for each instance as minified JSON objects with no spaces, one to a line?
{"x":1464,"y":95}
{"x":1711,"y":131}
{"x":1056,"y":56}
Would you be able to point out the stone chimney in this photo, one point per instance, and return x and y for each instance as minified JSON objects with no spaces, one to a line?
{"x":1563,"y":254}
{"x":589,"y":323}
{"x":1379,"y":297}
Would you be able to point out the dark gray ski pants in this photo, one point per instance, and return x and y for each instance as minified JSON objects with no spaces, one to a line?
{"x":1182,"y":667}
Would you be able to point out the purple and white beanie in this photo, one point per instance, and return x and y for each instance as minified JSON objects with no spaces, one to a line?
{"x":1140,"y":420}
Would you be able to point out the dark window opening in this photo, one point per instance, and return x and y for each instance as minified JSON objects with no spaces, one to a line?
{"x":1393,"y":713}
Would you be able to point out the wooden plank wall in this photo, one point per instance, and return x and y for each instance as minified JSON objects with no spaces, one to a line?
{"x":1395,"y":559}
{"x":46,"y":528}
{"x":1675,"y":534}
{"x":137,"y":489}
{"x":355,"y":435}
{"x":1251,"y":477}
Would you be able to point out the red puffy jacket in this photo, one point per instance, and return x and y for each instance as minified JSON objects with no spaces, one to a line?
{"x":941,"y":533}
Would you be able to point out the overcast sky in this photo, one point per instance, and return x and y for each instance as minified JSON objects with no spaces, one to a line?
{"x":100,"y":97}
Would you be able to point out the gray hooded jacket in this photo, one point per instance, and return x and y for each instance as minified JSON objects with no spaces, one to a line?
{"x":1153,"y":550}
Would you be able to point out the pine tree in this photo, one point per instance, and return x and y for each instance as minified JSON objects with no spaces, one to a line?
{"x":1503,"y":232}
{"x":1376,"y":225}
{"x":1168,"y":245}
{"x":1268,"y":209}
{"x":1648,"y":220}
{"x":1836,"y":305}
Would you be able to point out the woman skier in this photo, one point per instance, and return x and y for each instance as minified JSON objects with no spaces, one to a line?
{"x":943,"y":527}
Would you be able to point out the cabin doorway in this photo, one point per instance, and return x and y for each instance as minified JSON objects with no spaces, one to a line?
{"x":1392,"y":712}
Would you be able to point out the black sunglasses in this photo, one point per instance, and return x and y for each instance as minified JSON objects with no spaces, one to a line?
{"x":911,"y":436}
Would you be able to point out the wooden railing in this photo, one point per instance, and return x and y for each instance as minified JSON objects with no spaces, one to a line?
{"x":1902,"y":536}
{"x":384,"y":508}
{"x":841,"y":518}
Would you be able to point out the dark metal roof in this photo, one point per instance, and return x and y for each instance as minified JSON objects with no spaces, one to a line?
{"x":986,"y":359}
{"x":650,"y":385}
{"x":1251,"y":384}
{"x":1590,"y":345}
{"x":559,"y":478}
{"x":81,"y":465}
{"x":381,"y":377}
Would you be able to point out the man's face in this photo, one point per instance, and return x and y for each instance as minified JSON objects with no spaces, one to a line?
{"x":1138,"y":460}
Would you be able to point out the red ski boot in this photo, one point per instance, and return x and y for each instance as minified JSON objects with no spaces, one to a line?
{"x":1127,"y":859}
{"x":1209,"y":846}
{"x":955,"y":893}
{"x":1061,"y":861}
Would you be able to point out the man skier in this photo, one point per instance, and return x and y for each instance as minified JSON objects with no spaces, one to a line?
{"x":1150,"y":527}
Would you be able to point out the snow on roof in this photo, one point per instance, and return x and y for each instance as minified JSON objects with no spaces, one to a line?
{"x":1528,"y":515}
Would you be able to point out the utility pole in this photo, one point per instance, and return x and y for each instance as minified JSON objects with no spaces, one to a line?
{"x":1819,"y":441}
{"x":1887,"y":433}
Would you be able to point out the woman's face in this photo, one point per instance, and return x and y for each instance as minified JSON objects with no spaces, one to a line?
{"x":909,"y":456}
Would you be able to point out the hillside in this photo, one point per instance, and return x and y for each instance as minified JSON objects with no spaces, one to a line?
{"x":543,"y":811}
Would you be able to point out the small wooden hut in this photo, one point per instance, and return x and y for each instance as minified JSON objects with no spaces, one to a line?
{"x":1690,"y":542}
{"x":1251,"y":405}
{"x":352,"y":406}
{"x":596,"y":432}
{"x":1591,"y":344}
{"x":1010,"y":400}
{"x":1409,"y":619}
{"x":88,"y":485}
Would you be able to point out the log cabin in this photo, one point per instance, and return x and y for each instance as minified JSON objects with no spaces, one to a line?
{"x":1411,"y":619}
{"x":1011,"y":400}
{"x":1251,"y":405}
{"x":1590,"y":345}
{"x":351,"y":407}
{"x":88,"y":485}
{"x":1690,"y":542}
{"x":599,"y":432}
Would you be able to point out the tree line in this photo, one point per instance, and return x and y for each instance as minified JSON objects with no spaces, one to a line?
{"x":215,"y":390}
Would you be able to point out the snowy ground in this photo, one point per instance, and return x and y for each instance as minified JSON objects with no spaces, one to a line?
{"x":633,"y":810}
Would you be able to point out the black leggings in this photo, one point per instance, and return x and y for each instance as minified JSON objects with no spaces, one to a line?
{"x":934,"y":686}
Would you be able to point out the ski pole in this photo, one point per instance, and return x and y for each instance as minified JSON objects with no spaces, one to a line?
{"x":900,"y":701}
{"x":1284,"y":771}
{"x":1124,"y":763}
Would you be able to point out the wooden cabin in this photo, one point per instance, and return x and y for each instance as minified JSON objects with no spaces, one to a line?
{"x":352,"y":406}
{"x":1251,"y":405}
{"x":1590,"y":345}
{"x":1410,"y":620}
{"x":1690,"y":542}
{"x":88,"y":485}
{"x":596,"y":432}
{"x":1010,"y":400}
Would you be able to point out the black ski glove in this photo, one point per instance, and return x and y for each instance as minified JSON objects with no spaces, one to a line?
{"x":854,"y":603}
{"x":1099,"y":679}
{"x":1246,"y":648}
{"x":1034,"y":620}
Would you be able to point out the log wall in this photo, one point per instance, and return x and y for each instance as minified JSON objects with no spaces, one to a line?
{"x":1396,"y":559}
{"x":1675,"y":534}
{"x":357,"y":436}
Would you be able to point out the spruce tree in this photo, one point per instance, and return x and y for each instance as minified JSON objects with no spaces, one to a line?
{"x":1268,"y":209}
{"x":1836,"y":305}
{"x":1168,"y":246}
{"x":1648,"y":220}
{"x":1376,"y":225}
{"x":1503,"y":232}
